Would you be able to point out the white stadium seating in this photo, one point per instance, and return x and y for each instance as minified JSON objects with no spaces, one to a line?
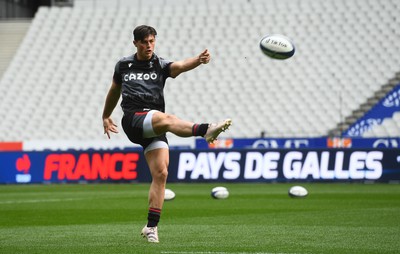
{"x":54,"y":89}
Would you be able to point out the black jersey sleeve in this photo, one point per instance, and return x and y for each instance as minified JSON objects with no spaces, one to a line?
{"x":165,"y":66}
{"x":117,"y":75}
{"x":167,"y":70}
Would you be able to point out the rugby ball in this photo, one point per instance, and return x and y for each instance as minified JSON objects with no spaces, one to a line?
{"x":277,"y":46}
{"x":220,"y":192}
{"x":298,"y":192}
{"x":169,"y":194}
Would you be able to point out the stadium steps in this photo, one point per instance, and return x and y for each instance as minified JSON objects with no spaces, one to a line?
{"x":11,"y":33}
{"x":365,"y":107}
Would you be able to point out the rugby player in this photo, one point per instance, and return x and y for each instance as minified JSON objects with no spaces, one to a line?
{"x":140,"y":79}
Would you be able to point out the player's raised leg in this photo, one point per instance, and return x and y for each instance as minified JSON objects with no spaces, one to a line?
{"x":163,"y":123}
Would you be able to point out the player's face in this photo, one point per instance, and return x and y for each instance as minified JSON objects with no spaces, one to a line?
{"x":145,"y":47}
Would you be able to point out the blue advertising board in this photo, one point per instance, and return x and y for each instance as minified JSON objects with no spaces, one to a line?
{"x":207,"y":165}
{"x":77,"y":166}
{"x":300,"y":143}
{"x":282,"y":165}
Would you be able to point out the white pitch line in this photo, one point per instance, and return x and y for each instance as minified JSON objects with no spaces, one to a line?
{"x":210,"y":252}
{"x":38,"y":201}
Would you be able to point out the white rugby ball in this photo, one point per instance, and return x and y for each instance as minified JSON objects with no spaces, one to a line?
{"x":298,"y":192}
{"x":277,"y":46}
{"x":169,"y":194}
{"x":220,"y":192}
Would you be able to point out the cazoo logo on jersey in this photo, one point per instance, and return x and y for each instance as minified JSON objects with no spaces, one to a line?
{"x":140,"y":76}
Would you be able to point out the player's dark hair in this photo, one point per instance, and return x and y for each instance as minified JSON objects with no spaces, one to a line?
{"x":141,"y":32}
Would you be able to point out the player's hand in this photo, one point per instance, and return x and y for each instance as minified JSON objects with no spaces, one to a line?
{"x":205,"y":57}
{"x":109,"y":126}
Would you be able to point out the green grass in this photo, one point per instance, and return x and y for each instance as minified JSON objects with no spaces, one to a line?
{"x":256,"y":218}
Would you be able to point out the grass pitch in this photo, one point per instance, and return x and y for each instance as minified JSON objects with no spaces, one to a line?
{"x":256,"y":218}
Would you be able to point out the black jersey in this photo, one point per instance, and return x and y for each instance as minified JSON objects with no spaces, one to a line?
{"x":142,"y":82}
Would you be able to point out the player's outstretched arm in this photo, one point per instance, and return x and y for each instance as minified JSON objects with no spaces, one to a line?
{"x":190,"y":63}
{"x":111,"y":101}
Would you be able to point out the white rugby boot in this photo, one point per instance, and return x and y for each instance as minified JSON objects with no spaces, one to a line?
{"x":215,"y":129}
{"x":150,"y":233}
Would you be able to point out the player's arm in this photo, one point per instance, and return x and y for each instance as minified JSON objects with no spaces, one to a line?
{"x":111,"y":101}
{"x":178,"y":67}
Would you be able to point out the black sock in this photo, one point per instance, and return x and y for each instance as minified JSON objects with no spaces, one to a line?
{"x":199,"y":129}
{"x":153,"y":217}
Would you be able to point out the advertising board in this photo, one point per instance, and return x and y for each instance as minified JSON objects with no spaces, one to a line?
{"x":208,"y":165}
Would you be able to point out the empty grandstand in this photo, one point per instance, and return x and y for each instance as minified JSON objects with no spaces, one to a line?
{"x":347,"y":51}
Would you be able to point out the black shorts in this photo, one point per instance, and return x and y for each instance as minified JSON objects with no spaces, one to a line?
{"x":132,"y":123}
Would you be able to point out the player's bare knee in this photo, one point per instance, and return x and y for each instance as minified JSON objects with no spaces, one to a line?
{"x":164,"y":174}
{"x":161,"y":175}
